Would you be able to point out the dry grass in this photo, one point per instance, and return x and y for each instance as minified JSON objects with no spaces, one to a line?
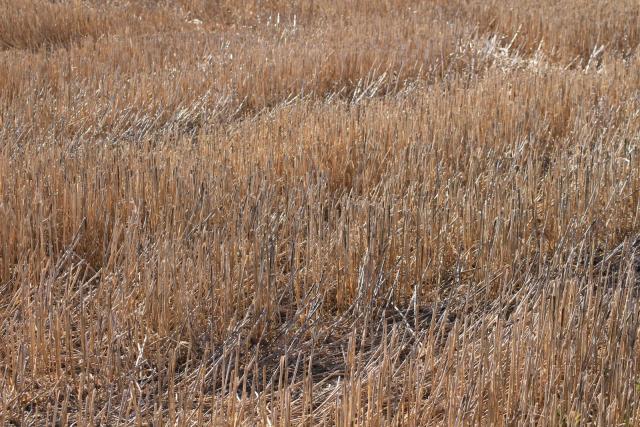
{"x":341,"y":213}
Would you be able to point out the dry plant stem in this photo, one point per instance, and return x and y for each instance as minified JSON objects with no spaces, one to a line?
{"x":319,"y":213}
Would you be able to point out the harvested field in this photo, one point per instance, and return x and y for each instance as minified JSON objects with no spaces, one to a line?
{"x":288,"y":212}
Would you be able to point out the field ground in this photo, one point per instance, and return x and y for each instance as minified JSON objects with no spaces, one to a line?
{"x":356,"y":212}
